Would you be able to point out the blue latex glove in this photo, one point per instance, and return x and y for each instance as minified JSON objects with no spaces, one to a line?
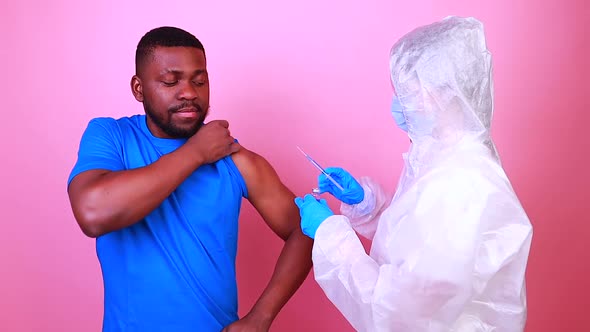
{"x":353,"y":192}
{"x":313,"y":213}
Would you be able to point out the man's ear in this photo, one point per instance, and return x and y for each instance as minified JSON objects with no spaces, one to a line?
{"x":136,"y":88}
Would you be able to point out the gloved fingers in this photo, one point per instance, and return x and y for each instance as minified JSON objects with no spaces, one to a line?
{"x":335,"y":171}
{"x":322,"y":178}
{"x":339,"y":174}
{"x":324,"y":202}
{"x":308,"y":198}
{"x":326,"y":185}
{"x":298,"y":202}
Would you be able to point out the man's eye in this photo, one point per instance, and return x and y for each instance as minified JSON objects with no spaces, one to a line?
{"x":200,"y":83}
{"x":169,"y":83}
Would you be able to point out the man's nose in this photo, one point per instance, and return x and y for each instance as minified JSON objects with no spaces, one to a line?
{"x":188,"y":91}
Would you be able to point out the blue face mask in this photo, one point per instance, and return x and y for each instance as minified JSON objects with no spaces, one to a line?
{"x":398,"y":115}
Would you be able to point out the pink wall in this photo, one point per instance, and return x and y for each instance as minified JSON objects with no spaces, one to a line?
{"x":321,"y":72}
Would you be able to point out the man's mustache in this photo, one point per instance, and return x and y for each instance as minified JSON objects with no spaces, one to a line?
{"x":177,"y":108}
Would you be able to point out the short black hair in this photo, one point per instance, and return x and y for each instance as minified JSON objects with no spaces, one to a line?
{"x":166,"y":37}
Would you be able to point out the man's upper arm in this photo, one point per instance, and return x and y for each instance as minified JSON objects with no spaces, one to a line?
{"x":271,"y":198}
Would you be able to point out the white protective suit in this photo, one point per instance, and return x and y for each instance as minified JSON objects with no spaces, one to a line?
{"x":450,"y":249}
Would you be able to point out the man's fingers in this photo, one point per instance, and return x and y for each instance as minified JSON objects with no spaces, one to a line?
{"x":234,"y":147}
{"x":223,"y":123}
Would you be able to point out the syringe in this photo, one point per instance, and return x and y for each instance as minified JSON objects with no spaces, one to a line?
{"x":314,"y":163}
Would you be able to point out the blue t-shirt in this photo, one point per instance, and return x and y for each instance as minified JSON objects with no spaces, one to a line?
{"x":175,"y":269}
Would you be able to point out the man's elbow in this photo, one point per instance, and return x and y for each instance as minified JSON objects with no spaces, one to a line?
{"x":90,"y":223}
{"x":90,"y":231}
{"x":90,"y":213}
{"x":91,"y":218}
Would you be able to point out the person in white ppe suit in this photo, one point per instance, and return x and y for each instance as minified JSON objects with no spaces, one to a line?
{"x":450,"y":248}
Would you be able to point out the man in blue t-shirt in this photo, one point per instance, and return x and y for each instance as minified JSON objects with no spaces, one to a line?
{"x":162,"y":192}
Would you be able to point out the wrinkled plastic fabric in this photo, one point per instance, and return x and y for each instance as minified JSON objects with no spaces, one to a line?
{"x":450,"y":248}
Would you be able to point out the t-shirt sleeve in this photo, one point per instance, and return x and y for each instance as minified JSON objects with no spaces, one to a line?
{"x":100,"y":148}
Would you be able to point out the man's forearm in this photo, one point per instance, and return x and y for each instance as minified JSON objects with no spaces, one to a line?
{"x":293,"y":266}
{"x":115,"y":200}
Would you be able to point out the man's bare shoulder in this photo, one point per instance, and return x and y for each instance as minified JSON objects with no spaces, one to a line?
{"x":247,"y":160}
{"x":253,"y":167}
{"x":271,"y":198}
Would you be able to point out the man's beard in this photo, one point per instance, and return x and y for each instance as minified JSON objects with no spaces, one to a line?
{"x":168,"y":127}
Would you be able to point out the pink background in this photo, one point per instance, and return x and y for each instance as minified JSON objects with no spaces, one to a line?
{"x":284,"y":73}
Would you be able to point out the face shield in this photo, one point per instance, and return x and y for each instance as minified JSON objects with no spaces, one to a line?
{"x":442,"y":77}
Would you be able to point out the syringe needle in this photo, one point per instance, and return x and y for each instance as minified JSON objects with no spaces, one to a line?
{"x":321,"y":169}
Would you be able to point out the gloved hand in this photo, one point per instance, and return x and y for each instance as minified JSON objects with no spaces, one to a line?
{"x":313,"y":213}
{"x":353,"y":192}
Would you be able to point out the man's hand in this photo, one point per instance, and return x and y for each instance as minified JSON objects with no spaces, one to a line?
{"x":248,"y":324}
{"x":212,"y":142}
